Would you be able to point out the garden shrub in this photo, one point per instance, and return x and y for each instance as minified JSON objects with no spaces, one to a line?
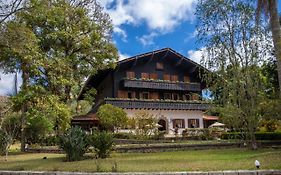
{"x":3,"y":142}
{"x":121,"y":135}
{"x":51,"y":140}
{"x":268,"y":135}
{"x":75,"y":143}
{"x":259,"y":135}
{"x":102,"y":143}
{"x":197,"y":134}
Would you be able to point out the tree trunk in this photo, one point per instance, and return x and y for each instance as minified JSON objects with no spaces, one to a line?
{"x":276,"y":34}
{"x":25,"y":78}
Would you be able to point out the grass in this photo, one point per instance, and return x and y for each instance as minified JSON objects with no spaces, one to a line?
{"x":193,"y":160}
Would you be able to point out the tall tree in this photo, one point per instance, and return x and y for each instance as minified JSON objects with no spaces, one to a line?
{"x":234,"y":48}
{"x":270,"y":7}
{"x":55,"y":44}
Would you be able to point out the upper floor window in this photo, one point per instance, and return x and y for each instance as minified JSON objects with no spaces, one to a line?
{"x":174,"y":78}
{"x":122,"y":94}
{"x":175,"y":96}
{"x":131,"y":94}
{"x":145,"y":75}
{"x":167,"y":77}
{"x":159,"y":66}
{"x":167,"y":96}
{"x":153,"y":76}
{"x":186,"y":97}
{"x":145,"y":95}
{"x":186,"y":79}
{"x":130,"y":74}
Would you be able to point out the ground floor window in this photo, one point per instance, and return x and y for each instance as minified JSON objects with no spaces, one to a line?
{"x":179,"y":123}
{"x":193,"y":123}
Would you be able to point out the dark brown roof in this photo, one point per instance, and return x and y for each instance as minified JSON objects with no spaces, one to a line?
{"x":165,"y":51}
{"x":87,"y":117}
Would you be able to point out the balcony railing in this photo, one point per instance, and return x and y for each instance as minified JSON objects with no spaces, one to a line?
{"x":163,"y":85}
{"x":157,"y":104}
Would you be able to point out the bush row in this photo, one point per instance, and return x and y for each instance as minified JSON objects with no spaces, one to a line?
{"x":259,"y":135}
{"x":75,"y":142}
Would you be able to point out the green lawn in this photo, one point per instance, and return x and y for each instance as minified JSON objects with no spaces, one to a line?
{"x":203,"y":160}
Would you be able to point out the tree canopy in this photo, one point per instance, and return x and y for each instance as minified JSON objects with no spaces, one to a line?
{"x":56,"y":45}
{"x":235,"y":48}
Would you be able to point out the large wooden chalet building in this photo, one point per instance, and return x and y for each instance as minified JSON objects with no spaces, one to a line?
{"x":162,"y":82}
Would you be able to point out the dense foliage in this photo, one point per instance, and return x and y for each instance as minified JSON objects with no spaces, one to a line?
{"x":102,"y":143}
{"x":111,"y":117}
{"x":75,"y":143}
{"x":56,"y":45}
{"x":235,"y":47}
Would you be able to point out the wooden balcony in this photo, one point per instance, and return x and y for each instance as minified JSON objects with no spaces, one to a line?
{"x":157,"y":104}
{"x":163,"y":85}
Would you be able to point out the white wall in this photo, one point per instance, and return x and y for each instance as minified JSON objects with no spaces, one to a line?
{"x":169,"y":115}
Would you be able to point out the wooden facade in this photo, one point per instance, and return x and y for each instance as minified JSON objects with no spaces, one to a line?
{"x":158,"y":80}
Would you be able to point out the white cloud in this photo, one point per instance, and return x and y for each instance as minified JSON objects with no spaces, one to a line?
{"x":121,"y":32}
{"x":147,"y":40}
{"x":161,"y":16}
{"x":123,"y":56}
{"x":7,"y":83}
{"x":196,"y":55}
{"x":190,"y":36}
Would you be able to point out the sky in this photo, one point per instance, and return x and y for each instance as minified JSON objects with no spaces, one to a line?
{"x":142,"y":26}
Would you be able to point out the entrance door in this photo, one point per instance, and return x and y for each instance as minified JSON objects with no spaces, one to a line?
{"x":162,"y":122}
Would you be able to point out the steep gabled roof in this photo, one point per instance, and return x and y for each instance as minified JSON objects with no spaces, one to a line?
{"x":165,"y":52}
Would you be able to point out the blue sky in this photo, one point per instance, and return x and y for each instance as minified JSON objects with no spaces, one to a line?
{"x":145,"y":25}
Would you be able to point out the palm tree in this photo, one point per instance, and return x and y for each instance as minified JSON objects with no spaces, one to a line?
{"x":269,"y":7}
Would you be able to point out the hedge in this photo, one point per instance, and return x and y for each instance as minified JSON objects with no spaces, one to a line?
{"x":259,"y":135}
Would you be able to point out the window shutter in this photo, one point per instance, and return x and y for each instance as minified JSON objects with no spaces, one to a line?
{"x":174,"y":78}
{"x":186,"y":79}
{"x":154,"y":95}
{"x":153,"y":76}
{"x":122,"y":94}
{"x":130,"y":74}
{"x":144,"y":75}
{"x":167,"y":77}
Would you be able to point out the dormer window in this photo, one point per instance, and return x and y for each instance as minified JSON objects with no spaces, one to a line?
{"x":159,"y":66}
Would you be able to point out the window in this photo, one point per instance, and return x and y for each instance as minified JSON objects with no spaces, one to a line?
{"x":174,"y":78}
{"x":130,"y":74}
{"x":122,"y":94}
{"x":145,"y":95}
{"x":186,"y":79}
{"x":167,"y":96}
{"x":179,"y":123}
{"x":144,"y":75}
{"x":186,"y":97}
{"x":193,"y":123}
{"x":175,"y":96}
{"x":153,"y":76}
{"x":195,"y":97}
{"x":159,"y":66}
{"x":131,"y":94}
{"x":154,"y":95}
{"x":167,"y":77}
